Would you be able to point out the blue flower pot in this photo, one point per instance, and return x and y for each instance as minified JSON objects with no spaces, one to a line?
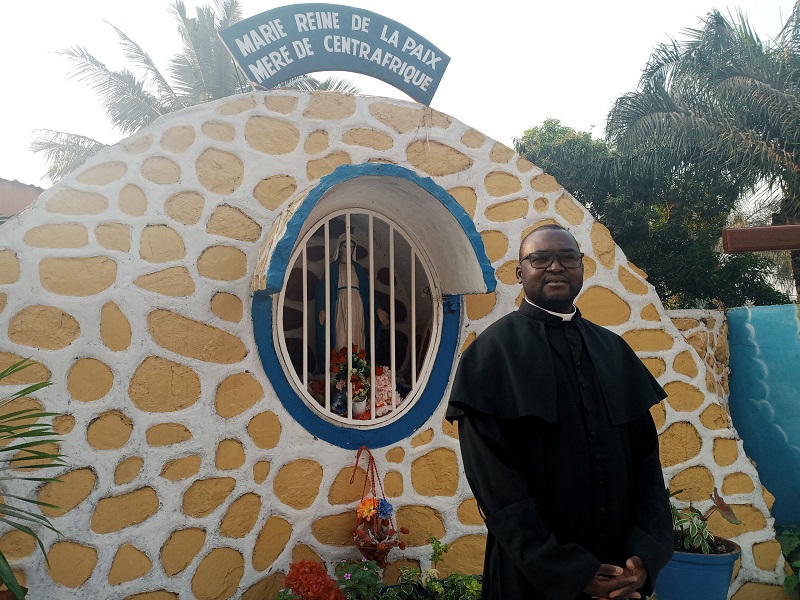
{"x":690,"y":576}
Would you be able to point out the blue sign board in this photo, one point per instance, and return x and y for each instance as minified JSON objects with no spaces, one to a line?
{"x":305,"y":38}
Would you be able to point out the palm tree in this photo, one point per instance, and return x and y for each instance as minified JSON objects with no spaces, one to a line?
{"x":723,"y":101}
{"x":203,"y":71}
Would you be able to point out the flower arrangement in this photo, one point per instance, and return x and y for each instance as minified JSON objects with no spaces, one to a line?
{"x":308,"y":580}
{"x":375,"y":534}
{"x":359,"y":376}
{"x":691,"y":526}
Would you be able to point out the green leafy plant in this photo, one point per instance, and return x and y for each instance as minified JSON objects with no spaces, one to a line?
{"x":789,"y":539}
{"x":691,"y":526}
{"x":359,"y":579}
{"x":23,"y":438}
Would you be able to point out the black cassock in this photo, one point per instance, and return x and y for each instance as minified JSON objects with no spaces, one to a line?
{"x":561,"y":453}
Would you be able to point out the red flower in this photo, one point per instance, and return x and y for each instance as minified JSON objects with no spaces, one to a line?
{"x":378,"y":371}
{"x":355,"y":349}
{"x":362,"y":355}
{"x":335,"y":369}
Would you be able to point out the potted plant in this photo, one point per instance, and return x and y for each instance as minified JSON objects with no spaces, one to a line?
{"x":702,"y":565}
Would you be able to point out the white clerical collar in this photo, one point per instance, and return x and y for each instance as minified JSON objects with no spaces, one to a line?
{"x":562,"y":316}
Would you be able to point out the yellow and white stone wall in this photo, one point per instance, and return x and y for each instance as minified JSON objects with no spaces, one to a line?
{"x":129,"y":284}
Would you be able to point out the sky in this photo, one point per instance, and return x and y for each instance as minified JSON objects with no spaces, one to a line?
{"x":513,"y":64}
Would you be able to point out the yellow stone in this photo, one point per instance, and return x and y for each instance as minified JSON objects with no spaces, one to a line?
{"x":34,"y":373}
{"x":752,"y":590}
{"x":113,"y":236}
{"x":320,"y":167}
{"x":181,"y":468}
{"x":185,"y":207}
{"x":219,"y":171}
{"x":161,"y":385}
{"x":103,"y":174}
{"x":603,"y":245}
{"x":544,"y":183}
{"x":109,"y":431}
{"x":70,"y":564}
{"x":231,"y":222}
{"x":752,"y":520}
{"x":194,"y":339}
{"x":316,"y":142}
{"x":15,"y":545}
{"x":166,"y":434}
{"x":468,"y":340}
{"x":274,"y":191}
{"x":696,"y":483}
{"x":341,"y":491}
{"x":330,"y":106}
{"x":603,"y":306}
{"x":236,"y":394}
{"x":395,"y":455}
{"x":261,"y":471}
{"x":132,"y":200}
{"x":480,"y":305}
{"x":473,"y":139}
{"x":589,"y":267}
{"x":180,"y":549}
{"x":715,"y":417}
{"x":3,"y":300}
{"x":684,"y":364}
{"x":737,"y":483}
{"x":435,"y":473}
{"x":138,"y":144}
{"x":501,"y":153}
{"x":72,"y":489}
{"x":118,"y":512}
{"x":405,"y":118}
{"x":69,"y":235}
{"x":89,"y":380}
{"x":205,"y":495}
{"x":128,"y":470}
{"x":221,"y":132}
{"x":437,"y":159}
{"x":450,"y":429}
{"x":631,"y":282}
{"x":510,"y":210}
{"x":335,"y":530}
{"x":500,"y":183}
{"x":269,"y":587}
{"x":129,"y":563}
{"x":281,"y":104}
{"x":466,"y":197}
{"x":77,"y":276}
{"x":541,"y":204}
{"x":769,"y":499}
{"x":683,"y":397}
{"x":495,"y":243}
{"x":178,"y":139}
{"x":161,"y":170}
{"x":368,"y":138}
{"x":303,"y":552}
{"x":393,"y":484}
{"x":45,"y":327}
{"x":270,"y":135}
{"x":222,"y":263}
{"x":115,"y":330}
{"x":272,"y":539}
{"x":650,"y":313}
{"x":161,"y":243}
{"x":648,"y":340}
{"x":218,"y":574}
{"x":465,"y":556}
{"x":297,"y":484}
{"x":726,"y":451}
{"x":20,"y":404}
{"x":766,"y":554}
{"x":468,"y":512}
{"x":265,"y":430}
{"x":656,"y":366}
{"x":239,"y":105}
{"x":659,"y":414}
{"x":422,"y":438}
{"x":9,"y":267}
{"x":678,"y":443}
{"x":157,"y":595}
{"x":73,"y":202}
{"x":571,"y":212}
{"x":422,"y":522}
{"x":172,"y":281}
{"x":241,"y":516}
{"x":227,"y":307}
{"x":32,"y":462}
{"x":230,"y":455}
{"x":685,"y":324}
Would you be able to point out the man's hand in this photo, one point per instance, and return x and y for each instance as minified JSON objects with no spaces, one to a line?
{"x":623,"y":586}
{"x":608,"y":579}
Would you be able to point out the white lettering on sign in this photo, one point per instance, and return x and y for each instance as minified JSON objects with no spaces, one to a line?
{"x":266,"y":67}
{"x":429,"y":58}
{"x":316,"y":20}
{"x":360,"y":23}
{"x":393,"y":39}
{"x":302,"y":48}
{"x":267,"y":33}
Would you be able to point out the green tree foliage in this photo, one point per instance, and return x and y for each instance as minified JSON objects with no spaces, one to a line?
{"x":134,"y":97}
{"x":669,"y":226}
{"x":720,"y":101}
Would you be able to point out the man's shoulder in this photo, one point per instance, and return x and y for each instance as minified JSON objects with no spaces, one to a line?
{"x":501,"y":328}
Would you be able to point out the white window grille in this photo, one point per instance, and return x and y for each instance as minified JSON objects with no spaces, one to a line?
{"x":392,"y":327}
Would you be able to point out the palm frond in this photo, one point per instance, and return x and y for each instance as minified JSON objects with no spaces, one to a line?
{"x":64,"y":152}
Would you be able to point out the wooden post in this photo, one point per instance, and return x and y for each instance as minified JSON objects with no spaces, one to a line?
{"x":754,"y":239}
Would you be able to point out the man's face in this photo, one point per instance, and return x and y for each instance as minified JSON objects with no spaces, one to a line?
{"x":555,"y":287}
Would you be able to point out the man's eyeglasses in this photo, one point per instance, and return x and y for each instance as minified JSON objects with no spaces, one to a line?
{"x":543,"y":260}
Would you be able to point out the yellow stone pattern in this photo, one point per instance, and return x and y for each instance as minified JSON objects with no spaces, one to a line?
{"x":185,"y":374}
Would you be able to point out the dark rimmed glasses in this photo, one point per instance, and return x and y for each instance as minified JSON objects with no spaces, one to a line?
{"x":543,"y":260}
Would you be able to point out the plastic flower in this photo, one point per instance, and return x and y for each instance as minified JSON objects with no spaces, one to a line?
{"x":367,"y":508}
{"x":385,"y":509}
{"x":347,"y":575}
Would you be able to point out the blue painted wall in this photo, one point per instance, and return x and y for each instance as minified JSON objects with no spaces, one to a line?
{"x":765,"y":398}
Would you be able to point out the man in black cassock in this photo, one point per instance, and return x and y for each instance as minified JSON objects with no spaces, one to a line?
{"x":558,"y":443}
